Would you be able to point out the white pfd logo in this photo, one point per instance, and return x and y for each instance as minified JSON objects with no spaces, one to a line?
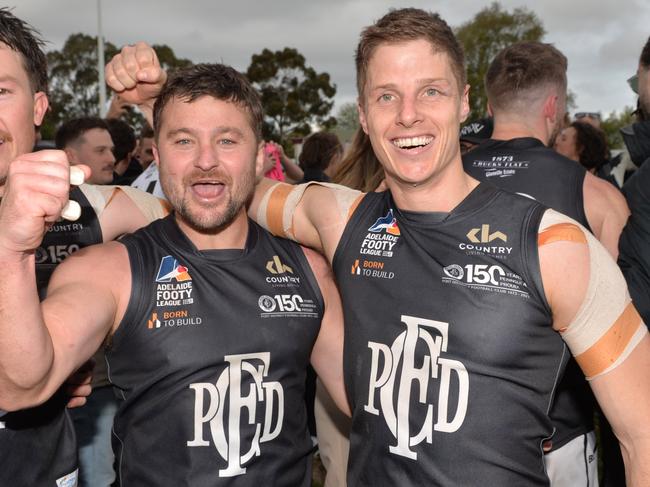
{"x":396,"y":412}
{"x":245,"y":372}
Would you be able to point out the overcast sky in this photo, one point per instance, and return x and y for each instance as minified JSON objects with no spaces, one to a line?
{"x":602,"y":39}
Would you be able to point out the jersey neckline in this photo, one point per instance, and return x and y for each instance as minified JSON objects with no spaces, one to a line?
{"x":475,"y":200}
{"x":170,"y":227}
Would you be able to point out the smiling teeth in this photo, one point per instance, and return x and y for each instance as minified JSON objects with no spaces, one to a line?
{"x":412,"y":141}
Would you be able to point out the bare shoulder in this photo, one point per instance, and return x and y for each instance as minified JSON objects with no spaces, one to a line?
{"x":602,"y":196}
{"x":128,"y":209}
{"x":564,"y":262}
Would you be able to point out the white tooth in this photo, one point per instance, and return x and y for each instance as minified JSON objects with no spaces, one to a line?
{"x":411,"y":141}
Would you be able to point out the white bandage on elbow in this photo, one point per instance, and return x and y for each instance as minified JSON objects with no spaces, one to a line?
{"x":278,"y":205}
{"x":607,"y":327}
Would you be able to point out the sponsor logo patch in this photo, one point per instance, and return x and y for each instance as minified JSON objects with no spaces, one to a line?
{"x":483,"y":240}
{"x":483,"y":277}
{"x":173,"y":284}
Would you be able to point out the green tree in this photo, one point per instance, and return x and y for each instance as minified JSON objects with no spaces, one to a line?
{"x":490,"y":31}
{"x":347,"y":121}
{"x":294,"y":95}
{"x":74,"y":80}
{"x":614,"y":123}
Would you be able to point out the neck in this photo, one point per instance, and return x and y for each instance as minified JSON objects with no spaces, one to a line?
{"x":441,"y":194}
{"x":513,"y":129}
{"x":229,"y":236}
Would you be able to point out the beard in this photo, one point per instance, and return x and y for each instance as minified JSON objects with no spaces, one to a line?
{"x":202,"y":217}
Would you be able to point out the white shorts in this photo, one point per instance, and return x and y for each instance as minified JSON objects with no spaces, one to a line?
{"x":574,"y":464}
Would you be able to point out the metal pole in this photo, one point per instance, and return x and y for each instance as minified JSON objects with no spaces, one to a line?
{"x":100,"y":61}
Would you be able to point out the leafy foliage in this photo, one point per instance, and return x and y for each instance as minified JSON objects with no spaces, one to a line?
{"x":490,"y":31}
{"x":294,"y":95}
{"x":614,"y":123}
{"x":74,"y":80}
{"x":347,"y":121}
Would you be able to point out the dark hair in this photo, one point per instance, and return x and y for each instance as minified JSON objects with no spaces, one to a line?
{"x":409,"y":24}
{"x":123,"y":137}
{"x":644,"y":60}
{"x":360,"y":169}
{"x":521,"y":68}
{"x":26,"y":41}
{"x":215,"y":80}
{"x":319,"y":149}
{"x":591,"y":145}
{"x":146,"y":132}
{"x":72,"y":130}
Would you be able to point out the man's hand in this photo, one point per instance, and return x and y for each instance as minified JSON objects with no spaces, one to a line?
{"x":118,"y":107}
{"x":135,"y":74}
{"x":78,"y":384}
{"x":36,"y":195}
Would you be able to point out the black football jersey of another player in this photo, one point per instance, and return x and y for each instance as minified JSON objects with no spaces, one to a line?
{"x":451,"y":359}
{"x":526,"y":166}
{"x":65,"y":237}
{"x":210,"y":362}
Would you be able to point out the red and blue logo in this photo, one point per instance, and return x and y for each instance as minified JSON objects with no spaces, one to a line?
{"x":387,"y":223}
{"x":170,"y":270}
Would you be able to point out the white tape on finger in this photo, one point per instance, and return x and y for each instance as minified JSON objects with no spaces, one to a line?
{"x":71,"y":211}
{"x":77,"y":176}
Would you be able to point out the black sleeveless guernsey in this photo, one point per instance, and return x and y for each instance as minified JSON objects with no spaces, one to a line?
{"x":38,"y":445}
{"x":527,"y":166}
{"x":450,"y":356}
{"x":210,"y":362}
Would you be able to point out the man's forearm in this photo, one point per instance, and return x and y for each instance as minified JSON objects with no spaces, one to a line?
{"x":26,"y":352}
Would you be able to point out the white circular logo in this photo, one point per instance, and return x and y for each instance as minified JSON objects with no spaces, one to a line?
{"x":454,"y":271}
{"x":266,"y":303}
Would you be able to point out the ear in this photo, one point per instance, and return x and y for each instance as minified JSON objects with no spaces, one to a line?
{"x":154,"y":149}
{"x":489,"y":110}
{"x":72,"y":155}
{"x":550,"y":108}
{"x":362,"y":117}
{"x":41,"y":104}
{"x":464,"y":104}
{"x":259,"y":161}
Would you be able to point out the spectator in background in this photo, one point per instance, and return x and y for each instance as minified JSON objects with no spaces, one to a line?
{"x":360,"y":169}
{"x":591,"y":118}
{"x":475,"y":133}
{"x":126,"y":168}
{"x":278,"y":166}
{"x":144,"y":152}
{"x":320,"y":156}
{"x":586,"y":144}
{"x":634,"y":245}
{"x":87,"y":141}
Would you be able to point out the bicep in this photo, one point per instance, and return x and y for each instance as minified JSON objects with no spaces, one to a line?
{"x":81,"y":307}
{"x":311,"y":214}
{"x":588,"y":297}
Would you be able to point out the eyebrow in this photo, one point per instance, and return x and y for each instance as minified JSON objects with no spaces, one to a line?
{"x":421,"y":82}
{"x":9,"y":79}
{"x":225,"y":129}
